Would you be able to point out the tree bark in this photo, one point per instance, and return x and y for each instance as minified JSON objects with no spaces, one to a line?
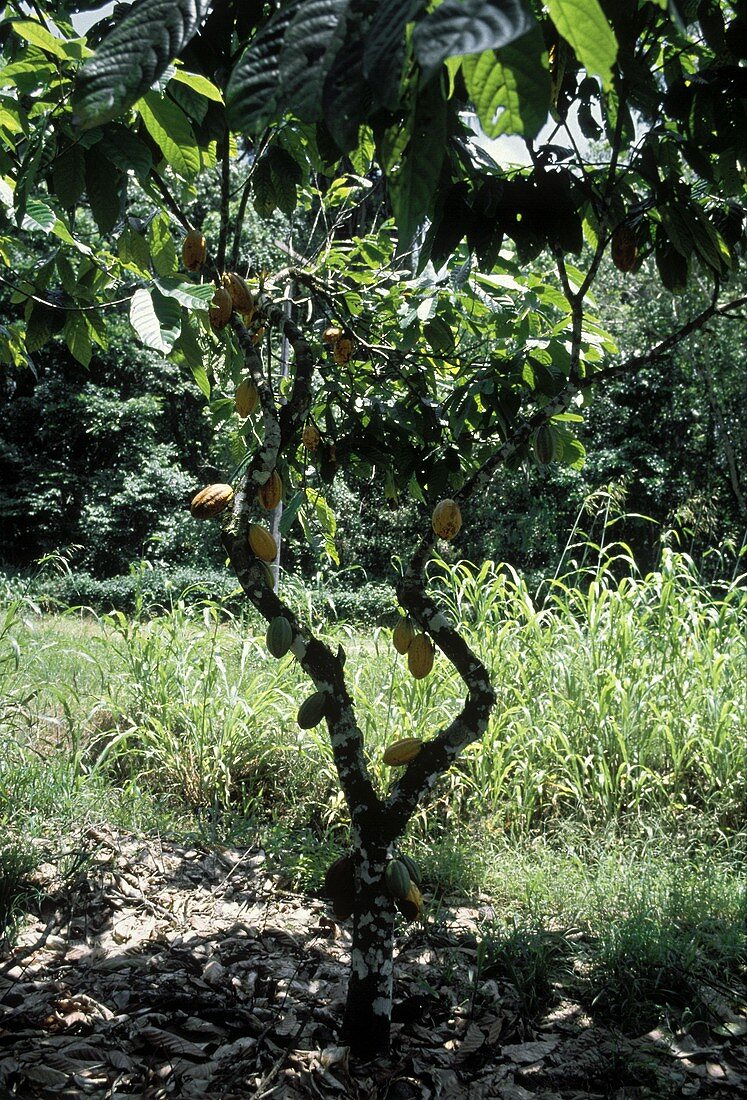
{"x":368,"y":1010}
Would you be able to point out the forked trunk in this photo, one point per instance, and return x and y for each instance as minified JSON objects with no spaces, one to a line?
{"x":368,"y":1009}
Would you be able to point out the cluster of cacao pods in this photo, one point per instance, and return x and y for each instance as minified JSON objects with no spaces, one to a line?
{"x":340,"y":344}
{"x":401,"y":879}
{"x":418,"y":647}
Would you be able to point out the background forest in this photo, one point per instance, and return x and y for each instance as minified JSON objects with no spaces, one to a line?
{"x":98,"y":463}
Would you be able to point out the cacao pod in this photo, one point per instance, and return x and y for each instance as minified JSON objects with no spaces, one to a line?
{"x":402,"y":752}
{"x":342,"y":351}
{"x":310,"y":437}
{"x":221,"y":309}
{"x":262,"y":542}
{"x":194,"y":250}
{"x":624,"y":248}
{"x":257,"y":336}
{"x":332,"y":334}
{"x":211,"y":501}
{"x":411,"y":907}
{"x":247,"y":398}
{"x":268,"y":574}
{"x":279,"y":637}
{"x":545,"y":444}
{"x":397,"y":879}
{"x":312,"y":710}
{"x":412,"y":867}
{"x":270,"y":494}
{"x":446,"y":519}
{"x":340,"y":877}
{"x":403,"y":634}
{"x":420,"y":656}
{"x":241,"y":295}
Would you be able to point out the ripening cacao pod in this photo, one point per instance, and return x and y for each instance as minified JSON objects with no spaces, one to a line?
{"x":420,"y":656}
{"x":241,"y":295}
{"x":262,"y":542}
{"x":397,"y":878}
{"x":211,"y":501}
{"x":412,"y":867}
{"x":403,"y":634}
{"x":310,"y":437}
{"x":340,"y":877}
{"x":624,"y":248}
{"x":312,"y":710}
{"x":247,"y":398}
{"x":332,"y":334}
{"x":194,"y":250}
{"x":545,"y":444}
{"x":221,"y":309}
{"x":411,"y":907}
{"x":342,"y":350}
{"x":446,"y":519}
{"x":402,"y":752}
{"x":270,"y":494}
{"x":279,"y":637}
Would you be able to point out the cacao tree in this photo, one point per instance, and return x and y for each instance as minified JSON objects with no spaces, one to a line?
{"x":437,"y":298}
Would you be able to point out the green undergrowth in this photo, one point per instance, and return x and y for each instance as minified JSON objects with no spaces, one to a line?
{"x":600,"y":822}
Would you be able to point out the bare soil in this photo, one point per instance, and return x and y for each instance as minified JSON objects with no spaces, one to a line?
{"x":161,"y":971}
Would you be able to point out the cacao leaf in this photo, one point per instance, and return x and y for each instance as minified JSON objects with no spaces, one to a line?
{"x":253,"y":90}
{"x":133,"y":56}
{"x":584,"y":26}
{"x":385,"y":48}
{"x":169,"y":127}
{"x":456,"y":28}
{"x":511,"y":88}
{"x":311,"y":43}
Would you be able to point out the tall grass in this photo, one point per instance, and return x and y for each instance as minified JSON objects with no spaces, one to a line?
{"x":619,"y":696}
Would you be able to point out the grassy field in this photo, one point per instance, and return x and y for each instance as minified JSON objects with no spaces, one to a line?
{"x":606,"y":806}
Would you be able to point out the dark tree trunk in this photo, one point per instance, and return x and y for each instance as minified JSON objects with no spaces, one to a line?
{"x":368,"y":1008}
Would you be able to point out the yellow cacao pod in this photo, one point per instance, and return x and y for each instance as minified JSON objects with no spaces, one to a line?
{"x":221,"y":309}
{"x":262,"y":542}
{"x":402,"y":752}
{"x":211,"y":501}
{"x":342,"y":351}
{"x":420,"y":656}
{"x":241,"y":295}
{"x":270,"y":494}
{"x":411,"y":907}
{"x":247,"y":398}
{"x":332,"y":334}
{"x":194,"y":250}
{"x":311,"y":437}
{"x":446,"y":519}
{"x":403,"y":634}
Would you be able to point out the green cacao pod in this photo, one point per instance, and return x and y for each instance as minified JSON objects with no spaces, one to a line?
{"x":412,"y":867}
{"x":402,"y":752}
{"x":312,"y":710}
{"x":279,"y":636}
{"x":211,"y":501}
{"x":545,"y":444}
{"x":403,"y":634}
{"x":397,"y":878}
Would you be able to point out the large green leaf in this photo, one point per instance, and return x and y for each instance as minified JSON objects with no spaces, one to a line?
{"x":253,"y":89}
{"x":385,"y":46}
{"x":169,"y":127}
{"x":459,"y":27}
{"x":311,"y":43}
{"x":584,"y":26}
{"x":414,"y":185}
{"x":133,"y":56}
{"x":511,"y":88}
{"x":69,"y":175}
{"x":104,"y":189}
{"x":144,"y":320}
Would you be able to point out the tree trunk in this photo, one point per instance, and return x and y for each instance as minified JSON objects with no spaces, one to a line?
{"x":368,"y":1008}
